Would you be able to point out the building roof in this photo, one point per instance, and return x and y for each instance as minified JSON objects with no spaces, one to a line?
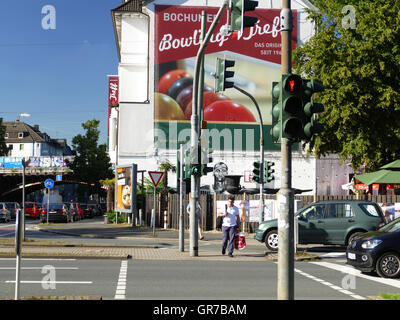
{"x":21,"y":132}
{"x":30,"y":134}
{"x":130,"y":6}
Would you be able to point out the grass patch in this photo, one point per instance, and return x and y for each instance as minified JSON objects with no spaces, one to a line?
{"x":390,"y":296}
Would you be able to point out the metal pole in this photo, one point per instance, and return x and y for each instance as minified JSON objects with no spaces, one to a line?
{"x":23,"y":199}
{"x":48,"y":203}
{"x":18,"y":236}
{"x":194,"y":134}
{"x":181,"y":208}
{"x":261,"y":213}
{"x":285,"y":195}
{"x":154,"y":215}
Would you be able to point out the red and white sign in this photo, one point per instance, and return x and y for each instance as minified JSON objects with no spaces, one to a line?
{"x":113,"y":90}
{"x":156,"y":176}
{"x":178,"y":34}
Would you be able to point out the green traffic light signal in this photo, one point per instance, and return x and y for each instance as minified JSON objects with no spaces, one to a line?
{"x":196,"y":169}
{"x":257,"y":171}
{"x":221,"y":74}
{"x":238,"y":20}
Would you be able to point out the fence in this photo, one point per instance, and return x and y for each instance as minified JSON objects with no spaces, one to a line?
{"x":209,"y":205}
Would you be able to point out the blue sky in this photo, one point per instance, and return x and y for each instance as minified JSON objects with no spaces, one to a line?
{"x":57,"y":76}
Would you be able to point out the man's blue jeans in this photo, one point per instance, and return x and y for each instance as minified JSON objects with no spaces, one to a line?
{"x":228,"y":234}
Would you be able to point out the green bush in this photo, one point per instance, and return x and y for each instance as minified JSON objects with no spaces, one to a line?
{"x":122,"y":217}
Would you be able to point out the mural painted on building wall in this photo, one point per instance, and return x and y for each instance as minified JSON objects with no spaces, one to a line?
{"x":232,"y":118}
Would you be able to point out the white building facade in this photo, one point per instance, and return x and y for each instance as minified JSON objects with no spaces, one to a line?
{"x":28,"y":141}
{"x":157,"y":43}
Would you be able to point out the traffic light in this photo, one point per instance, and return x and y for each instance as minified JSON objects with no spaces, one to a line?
{"x":287,"y":108}
{"x":221,"y":74}
{"x":292,"y":107}
{"x":311,"y":127}
{"x":195,"y":169}
{"x":269,"y":171}
{"x":257,"y":171}
{"x":205,"y":159}
{"x":238,"y":20}
{"x":186,"y":165}
{"x":276,"y":129}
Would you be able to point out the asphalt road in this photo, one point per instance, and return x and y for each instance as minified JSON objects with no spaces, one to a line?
{"x":187,"y":280}
{"x":326,"y":279}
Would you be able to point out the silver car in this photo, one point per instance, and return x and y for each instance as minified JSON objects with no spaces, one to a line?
{"x":5,"y":214}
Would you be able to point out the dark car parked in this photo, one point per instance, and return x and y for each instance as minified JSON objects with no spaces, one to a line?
{"x":327,"y":222}
{"x":377,"y":251}
{"x":58,"y":212}
{"x":13,"y":207}
{"x":87,"y":211}
{"x":96,"y":209}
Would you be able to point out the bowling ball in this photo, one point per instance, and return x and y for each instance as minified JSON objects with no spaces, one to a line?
{"x":178,"y":86}
{"x":166,"y":108}
{"x":169,"y":78}
{"x":227,"y":110}
{"x":208,"y":98}
{"x":184,"y":97}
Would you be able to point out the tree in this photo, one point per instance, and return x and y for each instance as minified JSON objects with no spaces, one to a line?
{"x":3,"y":147}
{"x":110,"y":184}
{"x":358,"y":62}
{"x":91,"y":161}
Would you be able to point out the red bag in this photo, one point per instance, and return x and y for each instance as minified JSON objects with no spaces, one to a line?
{"x":239,"y":241}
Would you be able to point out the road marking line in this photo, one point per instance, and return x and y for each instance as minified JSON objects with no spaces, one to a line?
{"x":39,"y":268}
{"x":341,"y":290}
{"x":121,"y":285}
{"x":51,"y":282}
{"x":357,"y":273}
{"x":39,"y":259}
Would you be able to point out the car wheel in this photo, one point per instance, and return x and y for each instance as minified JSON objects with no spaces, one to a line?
{"x":388,"y":265}
{"x":271,"y":240}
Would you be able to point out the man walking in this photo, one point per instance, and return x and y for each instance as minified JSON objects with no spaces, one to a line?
{"x":230,"y":223}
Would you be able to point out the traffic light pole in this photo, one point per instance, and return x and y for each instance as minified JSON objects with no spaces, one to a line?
{"x":285,"y":196}
{"x":262,"y":169}
{"x":195,"y":129}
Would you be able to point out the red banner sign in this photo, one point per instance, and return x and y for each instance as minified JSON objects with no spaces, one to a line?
{"x":178,"y":34}
{"x":113,"y":90}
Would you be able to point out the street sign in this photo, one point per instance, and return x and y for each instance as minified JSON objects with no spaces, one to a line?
{"x":59,"y":177}
{"x":49,"y":183}
{"x":156,"y":176}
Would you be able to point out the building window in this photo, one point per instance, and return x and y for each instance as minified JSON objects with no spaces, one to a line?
{"x":21,"y":146}
{"x":20,"y":135}
{"x":6,"y":135}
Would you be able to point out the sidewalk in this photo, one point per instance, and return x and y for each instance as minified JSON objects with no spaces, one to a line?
{"x":153,"y":249}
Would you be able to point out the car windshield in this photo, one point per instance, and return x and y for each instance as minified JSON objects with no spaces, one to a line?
{"x":391,"y":226}
{"x":53,"y":206}
{"x":28,"y":205}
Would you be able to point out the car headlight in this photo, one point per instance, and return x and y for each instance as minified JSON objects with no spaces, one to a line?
{"x":370,"y":244}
